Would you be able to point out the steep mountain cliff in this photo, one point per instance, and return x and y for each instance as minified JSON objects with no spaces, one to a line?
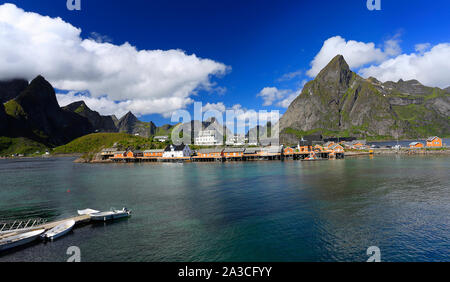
{"x":35,"y":114}
{"x":10,"y":89}
{"x":131,"y":125}
{"x":338,"y":102}
{"x":3,"y":120}
{"x":99,"y":123}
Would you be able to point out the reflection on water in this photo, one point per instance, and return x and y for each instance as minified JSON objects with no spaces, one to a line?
{"x":256,"y":211}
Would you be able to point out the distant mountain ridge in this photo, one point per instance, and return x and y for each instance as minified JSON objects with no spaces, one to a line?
{"x":32,"y":111}
{"x":100,"y":123}
{"x":130,"y":124}
{"x":35,"y":114}
{"x":338,"y":102}
{"x":10,"y":89}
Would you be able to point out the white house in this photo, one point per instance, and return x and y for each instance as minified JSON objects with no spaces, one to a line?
{"x":161,"y":138}
{"x":208,"y":138}
{"x":177,"y":151}
{"x":235,"y":140}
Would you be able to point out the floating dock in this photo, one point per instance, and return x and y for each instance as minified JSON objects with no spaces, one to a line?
{"x":78,"y":220}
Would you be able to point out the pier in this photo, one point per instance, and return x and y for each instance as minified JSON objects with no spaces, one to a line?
{"x":81,"y":219}
{"x":182,"y":153}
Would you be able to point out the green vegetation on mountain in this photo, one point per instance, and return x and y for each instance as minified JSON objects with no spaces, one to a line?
{"x":340,"y":103}
{"x":20,"y":145}
{"x":14,"y":109}
{"x":97,"y":141}
{"x":165,"y":130}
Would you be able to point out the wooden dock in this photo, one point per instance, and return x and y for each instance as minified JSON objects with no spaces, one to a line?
{"x":78,"y":220}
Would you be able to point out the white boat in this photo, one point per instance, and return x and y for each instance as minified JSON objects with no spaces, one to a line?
{"x":20,"y":239}
{"x":87,"y":211}
{"x":110,"y":215}
{"x":59,"y":230}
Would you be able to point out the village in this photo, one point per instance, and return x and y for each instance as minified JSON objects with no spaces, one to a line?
{"x":210,"y":151}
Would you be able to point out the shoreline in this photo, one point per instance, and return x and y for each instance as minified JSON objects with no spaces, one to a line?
{"x":445,"y":152}
{"x":376,"y":151}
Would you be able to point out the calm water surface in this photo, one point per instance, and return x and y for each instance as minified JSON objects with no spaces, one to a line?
{"x":256,"y":211}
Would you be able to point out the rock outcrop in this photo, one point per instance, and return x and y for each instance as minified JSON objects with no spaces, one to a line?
{"x":35,"y":114}
{"x":130,"y":124}
{"x":3,"y":120}
{"x":338,"y":102}
{"x":10,"y":89}
{"x":99,"y":123}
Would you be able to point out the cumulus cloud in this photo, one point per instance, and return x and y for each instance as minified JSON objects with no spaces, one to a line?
{"x":100,"y":38}
{"x":422,"y":47}
{"x":357,"y":54}
{"x":280,"y":97}
{"x":145,"y":81}
{"x":220,"y":107}
{"x":272,"y":94}
{"x":106,"y":106}
{"x":430,"y":68}
{"x":288,"y":100}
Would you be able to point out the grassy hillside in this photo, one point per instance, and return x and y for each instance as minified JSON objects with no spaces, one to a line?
{"x":165,"y":130}
{"x":97,"y":141}
{"x":9,"y":146}
{"x":14,"y":109}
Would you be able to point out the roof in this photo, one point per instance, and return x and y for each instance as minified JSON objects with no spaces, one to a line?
{"x":332,"y":147}
{"x":175,"y":147}
{"x":273,"y":149}
{"x":429,"y":139}
{"x":119,"y":152}
{"x":154,"y":151}
{"x":252,"y":150}
{"x":109,"y":150}
{"x":329,"y":143}
{"x":209,"y":151}
{"x":136,"y":151}
{"x":234,"y":150}
{"x":414,"y":143}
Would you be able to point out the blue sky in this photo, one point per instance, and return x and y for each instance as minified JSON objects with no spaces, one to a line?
{"x":264,"y":44}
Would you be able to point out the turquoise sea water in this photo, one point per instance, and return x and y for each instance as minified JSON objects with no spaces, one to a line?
{"x":255,"y":211}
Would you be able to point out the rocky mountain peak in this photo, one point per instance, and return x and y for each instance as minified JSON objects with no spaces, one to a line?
{"x":39,"y":92}
{"x":77,"y":106}
{"x":129,"y":117}
{"x":338,"y":102}
{"x":337,"y":71}
{"x":100,"y":123}
{"x":130,"y":124}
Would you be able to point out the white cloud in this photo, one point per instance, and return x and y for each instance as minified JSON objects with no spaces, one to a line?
{"x":220,"y":107}
{"x":430,"y":68}
{"x":145,"y":81}
{"x":288,"y":100}
{"x":357,"y":54}
{"x":100,"y":38}
{"x":272,"y":94}
{"x":290,"y":75}
{"x":280,"y":97}
{"x":422,"y":47}
{"x":106,"y":106}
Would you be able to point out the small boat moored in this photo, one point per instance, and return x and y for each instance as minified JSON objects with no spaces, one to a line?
{"x":110,"y":215}
{"x":20,"y":239}
{"x":59,"y":230}
{"x":87,"y":211}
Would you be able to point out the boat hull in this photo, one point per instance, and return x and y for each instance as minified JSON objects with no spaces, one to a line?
{"x":59,"y":231}
{"x":106,"y":216}
{"x":11,"y":242}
